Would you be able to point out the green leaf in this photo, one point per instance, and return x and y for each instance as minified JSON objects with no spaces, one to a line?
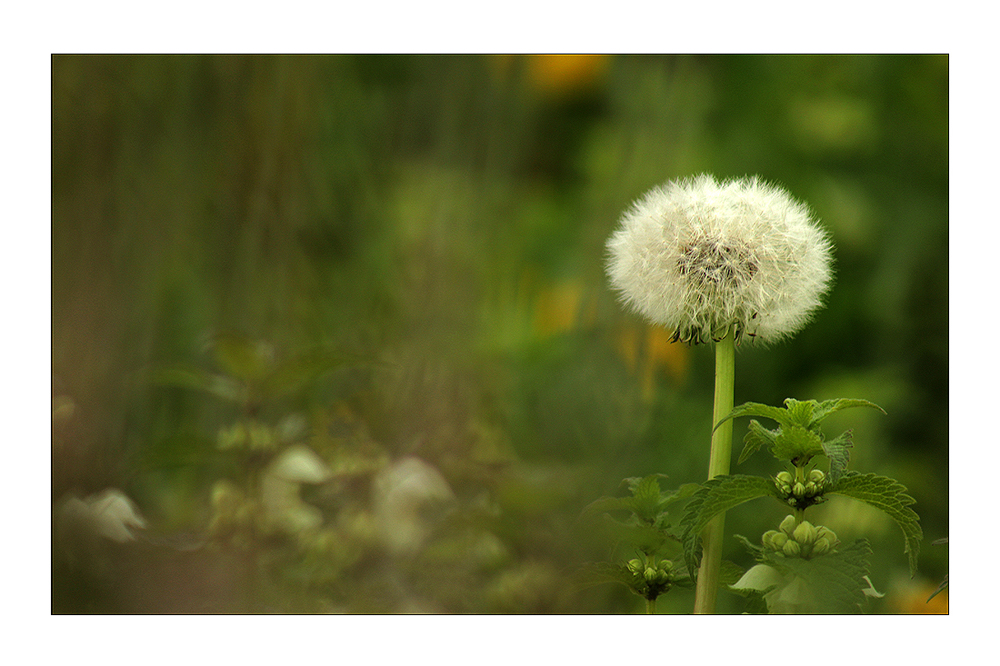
{"x":839,"y":452}
{"x":598,"y":573}
{"x":827,"y":407}
{"x":794,"y":442}
{"x":755,"y":409}
{"x":889,"y":496}
{"x":804,"y":413}
{"x":645,"y":500}
{"x":800,"y":412}
{"x":833,"y":583}
{"x":756,"y":437}
{"x":717,"y":496}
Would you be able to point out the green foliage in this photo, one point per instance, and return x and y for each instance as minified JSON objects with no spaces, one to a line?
{"x":836,"y":582}
{"x":404,"y":208}
{"x":647,"y":530}
{"x":798,"y":438}
{"x":889,"y":496}
{"x":714,"y":497}
{"x":253,"y":372}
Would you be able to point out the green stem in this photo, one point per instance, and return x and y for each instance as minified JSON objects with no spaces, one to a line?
{"x":718,"y":465}
{"x":651,"y":606}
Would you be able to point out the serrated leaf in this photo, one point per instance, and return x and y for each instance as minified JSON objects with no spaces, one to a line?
{"x":757,"y":436}
{"x":794,"y":442}
{"x":598,"y":573}
{"x":834,"y":583}
{"x":827,"y":407}
{"x":778,"y":414}
{"x":729,"y":573}
{"x":839,"y":452}
{"x":799,"y":412}
{"x":717,"y":496}
{"x":645,"y":500}
{"x":804,"y":413}
{"x":889,"y":496}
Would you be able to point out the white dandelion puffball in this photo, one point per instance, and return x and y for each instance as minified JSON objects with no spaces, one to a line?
{"x":698,"y":256}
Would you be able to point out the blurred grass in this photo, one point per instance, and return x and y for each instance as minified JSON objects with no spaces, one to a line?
{"x":440,"y":221}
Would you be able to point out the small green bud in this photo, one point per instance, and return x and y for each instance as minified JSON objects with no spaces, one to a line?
{"x":820,"y":547}
{"x":779,"y":540}
{"x":784,"y":478}
{"x":811,"y":489}
{"x":826,"y":533}
{"x":768,"y":538}
{"x":788,"y":525}
{"x":635,"y":566}
{"x":650,"y":574}
{"x":817,"y":477}
{"x":791,"y":548}
{"x":666,"y":565}
{"x":799,"y":489}
{"x":805,"y":533}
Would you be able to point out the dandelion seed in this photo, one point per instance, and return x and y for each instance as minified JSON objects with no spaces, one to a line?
{"x":699,"y":256}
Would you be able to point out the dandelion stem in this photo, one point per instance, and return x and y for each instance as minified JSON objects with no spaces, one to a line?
{"x":718,"y":464}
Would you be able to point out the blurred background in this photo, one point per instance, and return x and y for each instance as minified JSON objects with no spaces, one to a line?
{"x":337,"y":330}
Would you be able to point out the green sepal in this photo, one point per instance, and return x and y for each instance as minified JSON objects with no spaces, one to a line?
{"x":714,"y":497}
{"x":889,"y":496}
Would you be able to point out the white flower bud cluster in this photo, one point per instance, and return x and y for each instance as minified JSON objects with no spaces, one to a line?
{"x":698,"y":256}
{"x":803,"y":540}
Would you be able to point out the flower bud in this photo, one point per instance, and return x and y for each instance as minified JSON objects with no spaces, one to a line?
{"x":805,"y":533}
{"x":826,"y":533}
{"x":791,"y":548}
{"x":650,"y":574}
{"x":799,"y":489}
{"x":788,"y":525}
{"x":820,"y":547}
{"x":666,"y":565}
{"x":811,"y":489}
{"x":768,"y":538}
{"x":635,"y":566}
{"x":817,"y":477}
{"x":784,"y":478}
{"x":779,"y":540}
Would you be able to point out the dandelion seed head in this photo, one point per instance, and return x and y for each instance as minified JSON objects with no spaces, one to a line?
{"x":699,"y":255}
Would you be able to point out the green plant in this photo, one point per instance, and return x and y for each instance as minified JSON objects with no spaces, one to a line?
{"x":722,"y":262}
{"x":803,"y":567}
{"x":648,"y":535}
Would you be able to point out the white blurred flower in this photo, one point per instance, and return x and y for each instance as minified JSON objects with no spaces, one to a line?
{"x":698,"y":256}
{"x":109,"y":514}
{"x":280,"y":489}
{"x":405,"y":496}
{"x":84,"y":526}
